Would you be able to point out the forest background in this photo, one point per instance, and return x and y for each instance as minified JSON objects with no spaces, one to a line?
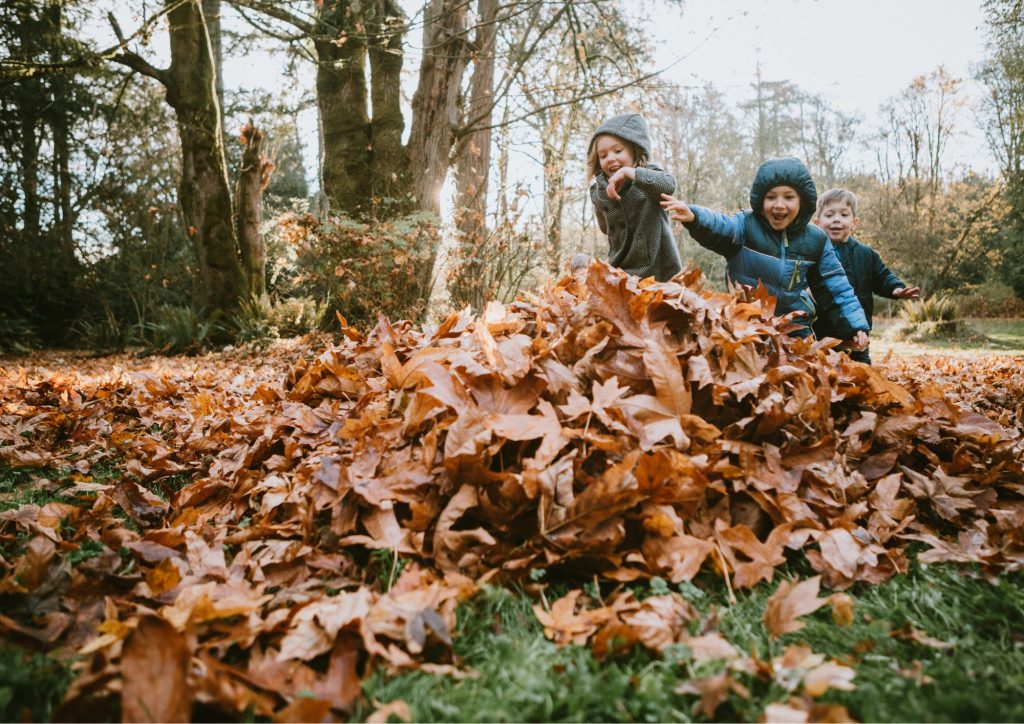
{"x":143,"y":202}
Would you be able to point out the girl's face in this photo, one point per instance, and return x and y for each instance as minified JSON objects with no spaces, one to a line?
{"x":613,"y":153}
{"x":781,"y":206}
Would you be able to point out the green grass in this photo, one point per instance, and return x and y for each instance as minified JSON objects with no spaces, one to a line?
{"x":523,"y":677}
{"x":31,"y":684}
{"x":994,"y":336}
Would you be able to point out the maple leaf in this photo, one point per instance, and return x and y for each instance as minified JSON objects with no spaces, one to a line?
{"x":562,"y":624}
{"x":789,"y":602}
{"x":660,"y":620}
{"x":677,"y":558}
{"x":751,"y":560}
{"x":666,"y":372}
{"x":829,"y":675}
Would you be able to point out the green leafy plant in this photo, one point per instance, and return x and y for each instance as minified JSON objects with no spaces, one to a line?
{"x":932,"y":309}
{"x":937,"y":317}
{"x":264,"y":319}
{"x":16,"y":335}
{"x":358,"y":269}
{"x":182,"y":330}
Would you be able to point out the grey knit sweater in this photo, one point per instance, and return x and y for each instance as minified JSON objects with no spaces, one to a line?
{"x":640,"y":239}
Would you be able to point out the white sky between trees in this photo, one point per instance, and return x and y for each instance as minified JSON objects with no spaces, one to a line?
{"x":857,"y":53}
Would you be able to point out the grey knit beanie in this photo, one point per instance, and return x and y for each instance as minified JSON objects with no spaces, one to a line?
{"x":630,"y":126}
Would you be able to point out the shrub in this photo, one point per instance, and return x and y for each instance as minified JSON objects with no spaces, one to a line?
{"x":263,"y":319}
{"x":17,"y":335}
{"x":182,"y":330}
{"x":931,"y":318}
{"x":495,"y":269}
{"x":932,"y":309}
{"x":992,"y":298}
{"x":358,"y":269}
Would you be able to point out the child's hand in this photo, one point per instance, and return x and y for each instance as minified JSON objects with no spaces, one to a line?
{"x":677,"y":208}
{"x":860,"y":340}
{"x":618,"y":179}
{"x":907,"y":293}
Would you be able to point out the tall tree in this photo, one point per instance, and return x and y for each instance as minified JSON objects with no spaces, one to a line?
{"x":204,"y":195}
{"x":1002,"y":74}
{"x":39,"y":212}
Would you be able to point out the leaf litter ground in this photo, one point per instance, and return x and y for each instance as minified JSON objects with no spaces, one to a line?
{"x":264,"y":538}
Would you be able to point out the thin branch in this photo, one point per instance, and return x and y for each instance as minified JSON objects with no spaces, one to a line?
{"x":19,"y":69}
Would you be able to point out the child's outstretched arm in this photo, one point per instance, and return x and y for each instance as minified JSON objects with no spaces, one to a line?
{"x":721,"y":233}
{"x":831,"y":288}
{"x":887,"y":284}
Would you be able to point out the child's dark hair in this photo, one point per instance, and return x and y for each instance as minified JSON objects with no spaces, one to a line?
{"x":594,"y":163}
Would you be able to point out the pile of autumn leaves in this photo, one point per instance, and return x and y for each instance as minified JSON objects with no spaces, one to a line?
{"x":605,"y":428}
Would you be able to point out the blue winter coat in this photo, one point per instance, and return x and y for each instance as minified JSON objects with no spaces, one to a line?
{"x":868,"y":276}
{"x":788,"y":262}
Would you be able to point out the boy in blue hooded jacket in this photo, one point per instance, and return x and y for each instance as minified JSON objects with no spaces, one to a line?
{"x":776,"y":244}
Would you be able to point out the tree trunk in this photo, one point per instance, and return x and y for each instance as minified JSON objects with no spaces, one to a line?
{"x":342,"y":98}
{"x":554,"y":201}
{"x":473,"y":157}
{"x":29,"y":112}
{"x":390,"y":162}
{"x":436,"y":103}
{"x":211,"y":14}
{"x":63,"y":212}
{"x":253,"y":177}
{"x":204,"y":194}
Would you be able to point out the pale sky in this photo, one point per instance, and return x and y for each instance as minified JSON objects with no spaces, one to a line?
{"x":856,"y":52}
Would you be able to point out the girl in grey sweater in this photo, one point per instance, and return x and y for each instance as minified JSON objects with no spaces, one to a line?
{"x":626,"y":194}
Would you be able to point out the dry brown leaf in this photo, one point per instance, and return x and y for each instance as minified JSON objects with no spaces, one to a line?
{"x":155,"y":666}
{"x":789,"y":602}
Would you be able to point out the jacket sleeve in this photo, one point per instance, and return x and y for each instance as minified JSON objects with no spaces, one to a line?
{"x":721,"y":233}
{"x":883,"y":280}
{"x":654,"y":181}
{"x":602,"y":224}
{"x":835,"y":297}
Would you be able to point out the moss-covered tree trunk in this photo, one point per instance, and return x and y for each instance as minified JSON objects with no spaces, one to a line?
{"x":473,"y":152}
{"x":204,"y":193}
{"x":342,"y":97}
{"x":390,"y":161}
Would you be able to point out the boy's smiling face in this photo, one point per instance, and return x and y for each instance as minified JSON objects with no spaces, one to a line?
{"x":613,"y":153}
{"x":781,"y":206}
{"x":838,"y":221}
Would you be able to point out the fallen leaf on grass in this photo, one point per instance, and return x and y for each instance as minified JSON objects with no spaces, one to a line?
{"x":789,"y":602}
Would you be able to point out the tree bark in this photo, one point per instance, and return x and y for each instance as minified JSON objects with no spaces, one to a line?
{"x":29,"y":112}
{"x":253,"y":177}
{"x":389,"y":160}
{"x":211,"y":14}
{"x":342,"y":98}
{"x":436,"y":102}
{"x":204,"y":194}
{"x":473,"y":156}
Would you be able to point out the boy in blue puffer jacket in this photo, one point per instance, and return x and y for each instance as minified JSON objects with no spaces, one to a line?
{"x":774,"y":243}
